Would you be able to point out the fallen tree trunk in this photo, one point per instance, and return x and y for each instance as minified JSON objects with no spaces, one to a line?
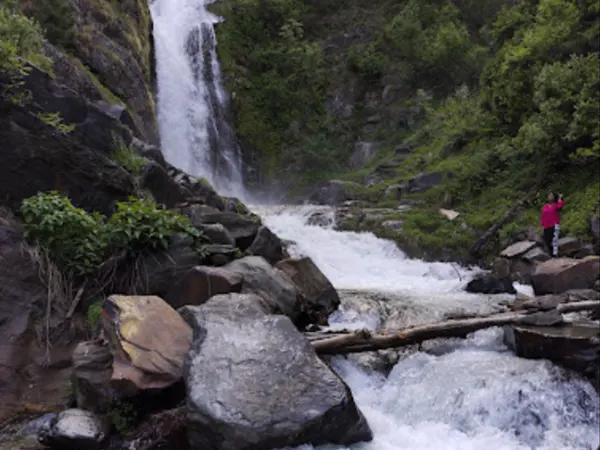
{"x":363,"y":341}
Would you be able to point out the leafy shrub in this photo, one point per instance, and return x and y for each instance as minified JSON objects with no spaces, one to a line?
{"x":21,"y":40}
{"x":57,"y":19}
{"x":94,"y":313}
{"x":79,"y":242}
{"x":139,"y":224}
{"x":126,"y":157}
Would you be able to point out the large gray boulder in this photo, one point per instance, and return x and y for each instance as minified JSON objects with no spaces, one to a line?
{"x":270,"y":283}
{"x":255,"y":383}
{"x":74,"y":429}
{"x":267,"y":245}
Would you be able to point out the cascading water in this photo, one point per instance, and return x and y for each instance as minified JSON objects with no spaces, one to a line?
{"x":457,"y":395}
{"x":195,"y":132}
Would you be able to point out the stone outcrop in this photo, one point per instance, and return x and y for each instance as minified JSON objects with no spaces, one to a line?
{"x":574,"y":346}
{"x":267,"y":245}
{"x":490,"y":284}
{"x":270,"y":283}
{"x":32,"y":374}
{"x":243,"y":229}
{"x":148,"y":340}
{"x":320,"y":298}
{"x":92,"y":372}
{"x":563,"y":274}
{"x":201,"y":283}
{"x":254,"y":381}
{"x":75,"y":429}
{"x":333,"y":192}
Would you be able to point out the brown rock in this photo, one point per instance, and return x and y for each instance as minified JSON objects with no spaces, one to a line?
{"x":568,"y":246}
{"x":501,"y":267}
{"x":148,"y":340}
{"x":320,"y":297}
{"x":563,"y":274}
{"x":201,"y":283}
{"x":575,"y":347}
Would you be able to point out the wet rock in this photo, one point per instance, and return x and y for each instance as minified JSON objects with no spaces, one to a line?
{"x":333,"y":192}
{"x":563,"y":274}
{"x":569,"y":246}
{"x":270,"y":283}
{"x":163,"y":188}
{"x":574,"y":346}
{"x":490,"y":284}
{"x":217,"y":233}
{"x":29,"y":377}
{"x":220,"y":255}
{"x":148,"y":340}
{"x":543,"y":318}
{"x":363,"y":153}
{"x":322,"y":219}
{"x":74,"y":429}
{"x":256,"y":382}
{"x":160,"y":271}
{"x":166,"y":430}
{"x":202,"y":282}
{"x":551,"y":301}
{"x":267,"y":245}
{"x":92,"y":371}
{"x":517,"y":249}
{"x":424,"y":182}
{"x":233,"y":204}
{"x":319,"y":296}
{"x":242,"y":228}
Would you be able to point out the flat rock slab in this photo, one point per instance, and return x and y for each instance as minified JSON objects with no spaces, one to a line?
{"x":255,"y":383}
{"x":563,"y":274}
{"x":517,"y":249}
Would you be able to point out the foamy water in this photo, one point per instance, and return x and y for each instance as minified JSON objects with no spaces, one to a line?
{"x":471,"y":395}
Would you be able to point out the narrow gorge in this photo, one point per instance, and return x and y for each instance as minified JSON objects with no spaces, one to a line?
{"x":153,"y":295}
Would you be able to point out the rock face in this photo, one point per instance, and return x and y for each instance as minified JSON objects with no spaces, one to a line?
{"x":74,"y":429}
{"x":363,"y":153}
{"x":563,"y":274}
{"x":320,"y":297}
{"x":424,"y":182}
{"x":576,"y":347}
{"x":242,"y":228}
{"x":162,"y":431}
{"x":270,"y":283}
{"x":92,"y":371}
{"x":148,"y":340}
{"x":34,"y":157}
{"x":201,"y":283}
{"x":517,"y":261}
{"x":28,"y":377}
{"x":254,"y":382}
{"x":489,"y":284}
{"x":334,"y":192}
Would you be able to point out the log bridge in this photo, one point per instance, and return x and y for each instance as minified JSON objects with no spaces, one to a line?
{"x":345,"y":342}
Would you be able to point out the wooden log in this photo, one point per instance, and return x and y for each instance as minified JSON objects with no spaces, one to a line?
{"x":362,"y":341}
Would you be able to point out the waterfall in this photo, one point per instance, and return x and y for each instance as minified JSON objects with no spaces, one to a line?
{"x":195,"y":131}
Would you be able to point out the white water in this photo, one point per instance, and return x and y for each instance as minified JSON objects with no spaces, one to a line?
{"x":473,"y":394}
{"x":192,"y":105}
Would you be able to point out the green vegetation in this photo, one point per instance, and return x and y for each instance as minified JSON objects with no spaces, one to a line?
{"x":56,"y":121}
{"x":57,"y":19}
{"x":123,"y":415}
{"x":128,"y":158}
{"x":504,"y":98}
{"x":21,"y":41}
{"x":94,"y":313}
{"x":79,"y":242}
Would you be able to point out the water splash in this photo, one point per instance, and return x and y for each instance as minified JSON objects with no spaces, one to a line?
{"x":195,"y":131}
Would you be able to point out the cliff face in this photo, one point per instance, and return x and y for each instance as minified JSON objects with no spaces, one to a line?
{"x":103,"y":52}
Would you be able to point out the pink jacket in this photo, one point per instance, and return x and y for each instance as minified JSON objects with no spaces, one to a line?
{"x":551,"y":214}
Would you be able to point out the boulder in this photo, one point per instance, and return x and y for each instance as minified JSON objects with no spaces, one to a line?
{"x":242,"y":228}
{"x":517,"y":249}
{"x":163,"y":188}
{"x":255,"y":382}
{"x":158,"y":272}
{"x":197,"y":190}
{"x":574,"y":346}
{"x":322,"y":219}
{"x":74,"y":429}
{"x":32,"y":376}
{"x":501,"y":267}
{"x":551,"y":301}
{"x":424,"y":182}
{"x":320,"y":298}
{"x":490,"y":284}
{"x":227,"y":305}
{"x":217,"y":233}
{"x":333,"y":192}
{"x":363,"y":153}
{"x":267,"y":245}
{"x":563,"y":274}
{"x":148,"y":340}
{"x":201,"y":283}
{"x":536,"y":254}
{"x":220,"y":255}
{"x":270,"y":283}
{"x":92,"y":371}
{"x":569,"y":246}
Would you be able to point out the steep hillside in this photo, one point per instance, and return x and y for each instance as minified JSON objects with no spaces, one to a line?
{"x":498,"y":100}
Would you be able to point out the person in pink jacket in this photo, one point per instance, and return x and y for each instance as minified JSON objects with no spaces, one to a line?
{"x":550,"y":221}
